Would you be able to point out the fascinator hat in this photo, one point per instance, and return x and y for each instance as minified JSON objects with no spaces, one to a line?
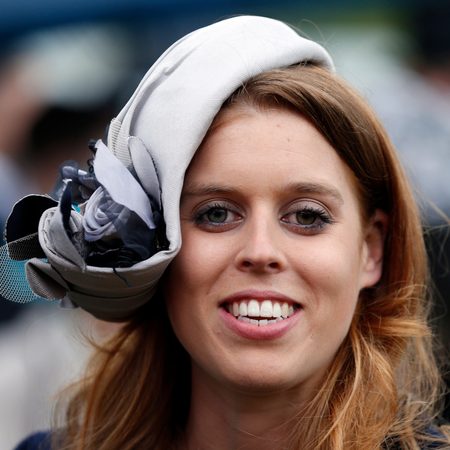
{"x":107,"y":255}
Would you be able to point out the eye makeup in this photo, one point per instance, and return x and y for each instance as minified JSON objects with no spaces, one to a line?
{"x":221,"y":216}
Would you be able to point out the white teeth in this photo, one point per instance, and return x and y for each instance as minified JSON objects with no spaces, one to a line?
{"x":243,"y":319}
{"x":272,"y":310}
{"x":259,"y":323}
{"x":253,"y":309}
{"x":285,"y":311}
{"x":266,"y":308}
{"x":276,"y":310}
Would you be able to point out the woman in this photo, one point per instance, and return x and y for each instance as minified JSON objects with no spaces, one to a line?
{"x":294,"y":314}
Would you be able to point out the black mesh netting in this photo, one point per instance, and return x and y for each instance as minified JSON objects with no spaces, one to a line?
{"x":13,"y":282}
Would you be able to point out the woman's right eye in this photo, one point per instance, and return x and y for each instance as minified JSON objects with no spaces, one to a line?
{"x":217,"y":217}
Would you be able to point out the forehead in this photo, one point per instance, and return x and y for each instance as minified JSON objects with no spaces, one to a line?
{"x":249,"y":147}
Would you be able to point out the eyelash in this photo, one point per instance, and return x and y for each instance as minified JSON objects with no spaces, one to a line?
{"x":200,"y":220}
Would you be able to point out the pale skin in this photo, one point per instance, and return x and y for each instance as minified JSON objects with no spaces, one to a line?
{"x":268,"y":209}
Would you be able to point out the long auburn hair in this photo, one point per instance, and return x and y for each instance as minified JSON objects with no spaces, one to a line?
{"x":382,"y":389}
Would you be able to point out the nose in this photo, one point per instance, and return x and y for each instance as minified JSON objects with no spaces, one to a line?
{"x":261,"y":249}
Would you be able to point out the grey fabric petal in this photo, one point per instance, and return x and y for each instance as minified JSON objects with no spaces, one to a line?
{"x":145,"y":168}
{"x":54,"y":240}
{"x":44,"y":280}
{"x":121,"y":185}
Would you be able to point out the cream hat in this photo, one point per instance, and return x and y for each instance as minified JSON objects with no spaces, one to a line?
{"x":155,"y":137}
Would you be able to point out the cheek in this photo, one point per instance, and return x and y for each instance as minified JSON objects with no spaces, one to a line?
{"x":199,"y":264}
{"x":332,"y":276}
{"x":187,"y":283}
{"x":331,"y":280}
{"x":180,"y":302}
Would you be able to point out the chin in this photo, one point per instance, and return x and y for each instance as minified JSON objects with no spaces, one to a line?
{"x":260,"y":378}
{"x":258,"y":384}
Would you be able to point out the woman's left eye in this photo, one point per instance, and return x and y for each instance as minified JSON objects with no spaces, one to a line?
{"x":307,"y":218}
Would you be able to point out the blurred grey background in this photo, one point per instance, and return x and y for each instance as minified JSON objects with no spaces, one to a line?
{"x":67,"y":67}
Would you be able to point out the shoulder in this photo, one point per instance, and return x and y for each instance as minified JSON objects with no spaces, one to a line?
{"x":37,"y":441}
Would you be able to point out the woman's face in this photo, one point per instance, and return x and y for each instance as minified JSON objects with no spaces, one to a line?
{"x":274,"y":255}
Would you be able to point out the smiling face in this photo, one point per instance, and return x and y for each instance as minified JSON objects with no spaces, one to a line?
{"x":274,"y":255}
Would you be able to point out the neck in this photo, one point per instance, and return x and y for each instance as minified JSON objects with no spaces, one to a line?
{"x":222,"y":418}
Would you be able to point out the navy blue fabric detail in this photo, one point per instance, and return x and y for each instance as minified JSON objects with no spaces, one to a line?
{"x":37,"y":441}
{"x":42,"y":441}
{"x":434,"y":433}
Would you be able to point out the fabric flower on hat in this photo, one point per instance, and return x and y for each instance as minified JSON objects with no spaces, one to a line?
{"x":119,"y":214}
{"x":101,"y":214}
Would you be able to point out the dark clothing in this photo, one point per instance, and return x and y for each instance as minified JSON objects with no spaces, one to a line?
{"x":38,"y":441}
{"x":42,"y":441}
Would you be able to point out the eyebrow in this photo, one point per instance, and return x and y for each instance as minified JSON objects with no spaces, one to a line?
{"x":209,"y":189}
{"x":302,"y":188}
{"x":315,"y":188}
